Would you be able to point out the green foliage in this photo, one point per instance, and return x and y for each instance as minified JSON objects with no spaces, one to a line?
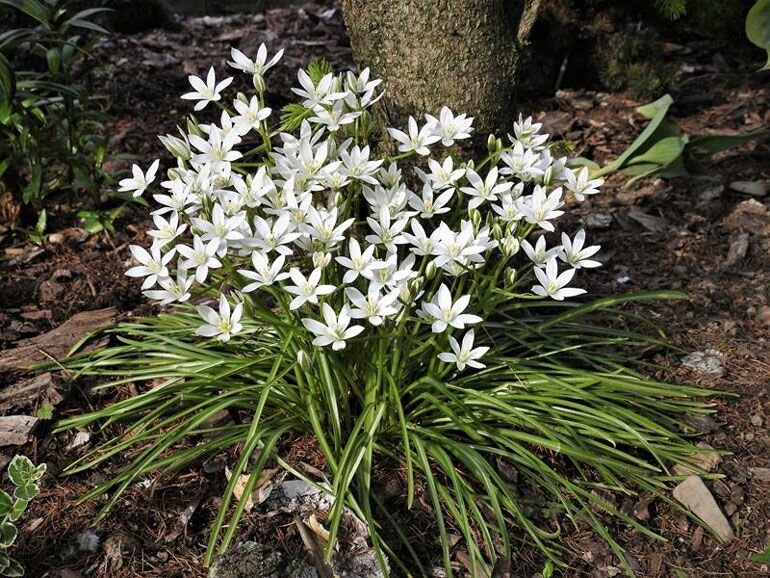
{"x":24,"y":475}
{"x":50,"y":129}
{"x":662,"y":150}
{"x":318,"y":68}
{"x":293,"y":114}
{"x":559,"y":402}
{"x":671,"y":9}
{"x":758,"y":27}
{"x":762,"y":557}
{"x":627,"y":65}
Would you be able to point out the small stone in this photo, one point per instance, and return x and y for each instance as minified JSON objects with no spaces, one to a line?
{"x":693,"y":494}
{"x":81,"y":438}
{"x":750,"y":216}
{"x":701,"y":423}
{"x":707,"y":461}
{"x":598,"y":221}
{"x":707,"y":362}
{"x":710,"y":192}
{"x":739,"y":247}
{"x":763,"y":315}
{"x":752,"y":188}
{"x":756,"y":420}
{"x":760,"y":474}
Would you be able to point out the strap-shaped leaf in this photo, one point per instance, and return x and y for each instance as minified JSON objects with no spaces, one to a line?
{"x":31,"y":8}
{"x":7,"y":80}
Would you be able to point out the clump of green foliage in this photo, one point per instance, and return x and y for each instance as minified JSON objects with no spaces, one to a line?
{"x":51,"y":136}
{"x":628,"y":66}
{"x":24,"y":475}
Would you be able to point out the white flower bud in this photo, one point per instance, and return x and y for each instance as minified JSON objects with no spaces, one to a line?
{"x":430,"y":270}
{"x":475,"y":217}
{"x":304,"y":360}
{"x":510,"y":246}
{"x":338,"y":199}
{"x":548,"y":176}
{"x":491,"y":144}
{"x":192,"y":127}
{"x":321,"y":259}
{"x":510,"y":276}
{"x":176,"y":146}
{"x":415,"y":286}
{"x":405,"y":294}
{"x":258,"y":82}
{"x":497,"y":232}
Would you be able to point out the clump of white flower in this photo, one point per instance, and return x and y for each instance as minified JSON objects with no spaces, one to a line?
{"x":303,"y":218}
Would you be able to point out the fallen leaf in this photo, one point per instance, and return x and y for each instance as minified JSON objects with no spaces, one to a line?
{"x":262,"y":487}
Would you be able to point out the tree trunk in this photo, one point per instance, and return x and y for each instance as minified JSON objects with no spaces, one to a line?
{"x":431,"y":53}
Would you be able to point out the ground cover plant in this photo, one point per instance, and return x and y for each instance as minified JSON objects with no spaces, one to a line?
{"x":52,"y":137}
{"x":407,"y":309}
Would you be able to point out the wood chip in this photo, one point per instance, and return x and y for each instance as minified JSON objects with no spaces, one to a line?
{"x":15,"y":429}
{"x":56,"y":343}
{"x":649,"y":222}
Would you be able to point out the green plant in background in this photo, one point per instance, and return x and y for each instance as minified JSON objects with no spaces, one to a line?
{"x":758,"y":27}
{"x":24,"y":475}
{"x":626,"y":65}
{"x":671,"y":9}
{"x":662,"y":150}
{"x":50,"y":125}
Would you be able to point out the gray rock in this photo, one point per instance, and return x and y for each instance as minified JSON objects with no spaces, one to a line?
{"x":752,"y":188}
{"x":256,"y":560}
{"x":701,"y":423}
{"x":761,"y":474}
{"x":693,"y":494}
{"x":706,"y":362}
{"x":598,"y":221}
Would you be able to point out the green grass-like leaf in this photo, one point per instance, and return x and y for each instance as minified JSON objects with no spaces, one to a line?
{"x":563,"y":401}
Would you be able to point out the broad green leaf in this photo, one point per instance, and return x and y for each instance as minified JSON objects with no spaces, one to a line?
{"x":584,"y":162}
{"x":662,"y":153}
{"x":21,"y":470}
{"x":26,"y":491}
{"x":656,"y":111}
{"x":6,"y":502}
{"x":41,"y":222}
{"x":8,"y":533}
{"x":653,"y":109}
{"x":14,"y":569}
{"x":758,"y":27}
{"x":53,"y":57}
{"x":18,"y":509}
{"x":45,"y":411}
{"x":712,"y":144}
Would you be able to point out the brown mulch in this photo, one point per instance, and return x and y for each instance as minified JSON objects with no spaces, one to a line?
{"x":660,"y":234}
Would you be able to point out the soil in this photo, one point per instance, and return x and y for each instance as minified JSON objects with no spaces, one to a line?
{"x":697,"y":235}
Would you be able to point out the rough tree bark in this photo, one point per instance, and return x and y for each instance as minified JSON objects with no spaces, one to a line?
{"x":460,"y":53}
